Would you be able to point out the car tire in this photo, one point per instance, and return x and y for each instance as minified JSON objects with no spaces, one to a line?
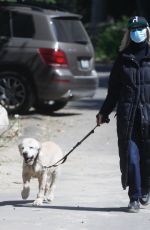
{"x":15,"y":93}
{"x":51,"y":106}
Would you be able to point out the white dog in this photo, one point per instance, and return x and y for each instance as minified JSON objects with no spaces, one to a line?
{"x":36,"y":156}
{"x":4,"y":121}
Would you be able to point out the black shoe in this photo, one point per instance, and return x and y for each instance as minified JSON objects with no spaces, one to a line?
{"x":145,"y":199}
{"x":134,"y":206}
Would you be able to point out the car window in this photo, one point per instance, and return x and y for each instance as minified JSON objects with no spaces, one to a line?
{"x":4,"y":24}
{"x":69,"y":30}
{"x":22,"y":25}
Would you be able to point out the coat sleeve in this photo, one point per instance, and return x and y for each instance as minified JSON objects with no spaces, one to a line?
{"x":113,"y":92}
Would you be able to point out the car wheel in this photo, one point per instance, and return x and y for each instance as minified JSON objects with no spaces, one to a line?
{"x":51,"y":106}
{"x":15,"y":93}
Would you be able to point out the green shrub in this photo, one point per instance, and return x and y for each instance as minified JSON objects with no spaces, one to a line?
{"x":107,"y":40}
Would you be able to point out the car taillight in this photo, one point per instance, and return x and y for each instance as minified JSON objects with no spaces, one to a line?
{"x":53,"y":56}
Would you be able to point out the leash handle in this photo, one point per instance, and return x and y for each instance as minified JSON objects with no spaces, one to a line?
{"x":64,"y":158}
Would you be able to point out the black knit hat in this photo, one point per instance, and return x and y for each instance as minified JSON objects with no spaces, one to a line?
{"x":137,"y":21}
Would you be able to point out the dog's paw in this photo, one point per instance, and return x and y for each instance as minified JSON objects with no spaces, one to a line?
{"x":38,"y":202}
{"x":50,"y":197}
{"x":25,"y":193}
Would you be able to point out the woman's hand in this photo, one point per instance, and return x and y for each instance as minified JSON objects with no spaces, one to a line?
{"x":99,"y":119}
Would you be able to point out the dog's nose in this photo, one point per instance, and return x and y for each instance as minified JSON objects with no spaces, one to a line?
{"x":24,"y":154}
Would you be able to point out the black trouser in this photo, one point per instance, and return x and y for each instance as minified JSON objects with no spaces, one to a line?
{"x":139,"y":163}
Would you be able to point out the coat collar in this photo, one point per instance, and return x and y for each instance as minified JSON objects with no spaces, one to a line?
{"x":128,"y":55}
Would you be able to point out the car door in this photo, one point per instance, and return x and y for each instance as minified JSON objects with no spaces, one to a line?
{"x":5,"y":30}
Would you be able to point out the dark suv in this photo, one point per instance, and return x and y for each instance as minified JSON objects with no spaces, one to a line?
{"x":46,"y":58}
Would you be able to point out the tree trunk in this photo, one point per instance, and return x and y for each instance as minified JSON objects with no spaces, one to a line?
{"x":98,"y":11}
{"x":139,"y":7}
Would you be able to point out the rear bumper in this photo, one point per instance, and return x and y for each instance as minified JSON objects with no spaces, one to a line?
{"x":62,"y":84}
{"x":84,"y":86}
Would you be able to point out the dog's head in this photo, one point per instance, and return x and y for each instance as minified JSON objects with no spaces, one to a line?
{"x":29,"y":149}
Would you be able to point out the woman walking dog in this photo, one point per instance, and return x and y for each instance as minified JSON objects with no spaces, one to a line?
{"x":129,"y":89}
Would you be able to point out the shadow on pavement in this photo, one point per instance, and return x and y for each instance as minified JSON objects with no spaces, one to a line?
{"x":48,"y":113}
{"x":28,"y":204}
{"x":90,"y":209}
{"x":15,"y":202}
{"x":91,"y":104}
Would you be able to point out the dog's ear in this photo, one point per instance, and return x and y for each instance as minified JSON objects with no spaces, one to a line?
{"x":20,"y":147}
{"x":39,"y":148}
{"x":20,"y":144}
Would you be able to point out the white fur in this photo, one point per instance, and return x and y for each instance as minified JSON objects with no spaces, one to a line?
{"x":36,"y":156}
{"x":4,"y":121}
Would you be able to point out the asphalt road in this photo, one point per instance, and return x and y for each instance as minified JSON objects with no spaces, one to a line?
{"x":88,"y":195}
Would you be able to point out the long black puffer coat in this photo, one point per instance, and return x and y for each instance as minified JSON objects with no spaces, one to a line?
{"x":129,"y":89}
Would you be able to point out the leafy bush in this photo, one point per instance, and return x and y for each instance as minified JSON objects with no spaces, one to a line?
{"x":107,"y":39}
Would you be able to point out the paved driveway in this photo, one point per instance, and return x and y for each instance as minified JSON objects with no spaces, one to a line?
{"x":89,"y":195}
